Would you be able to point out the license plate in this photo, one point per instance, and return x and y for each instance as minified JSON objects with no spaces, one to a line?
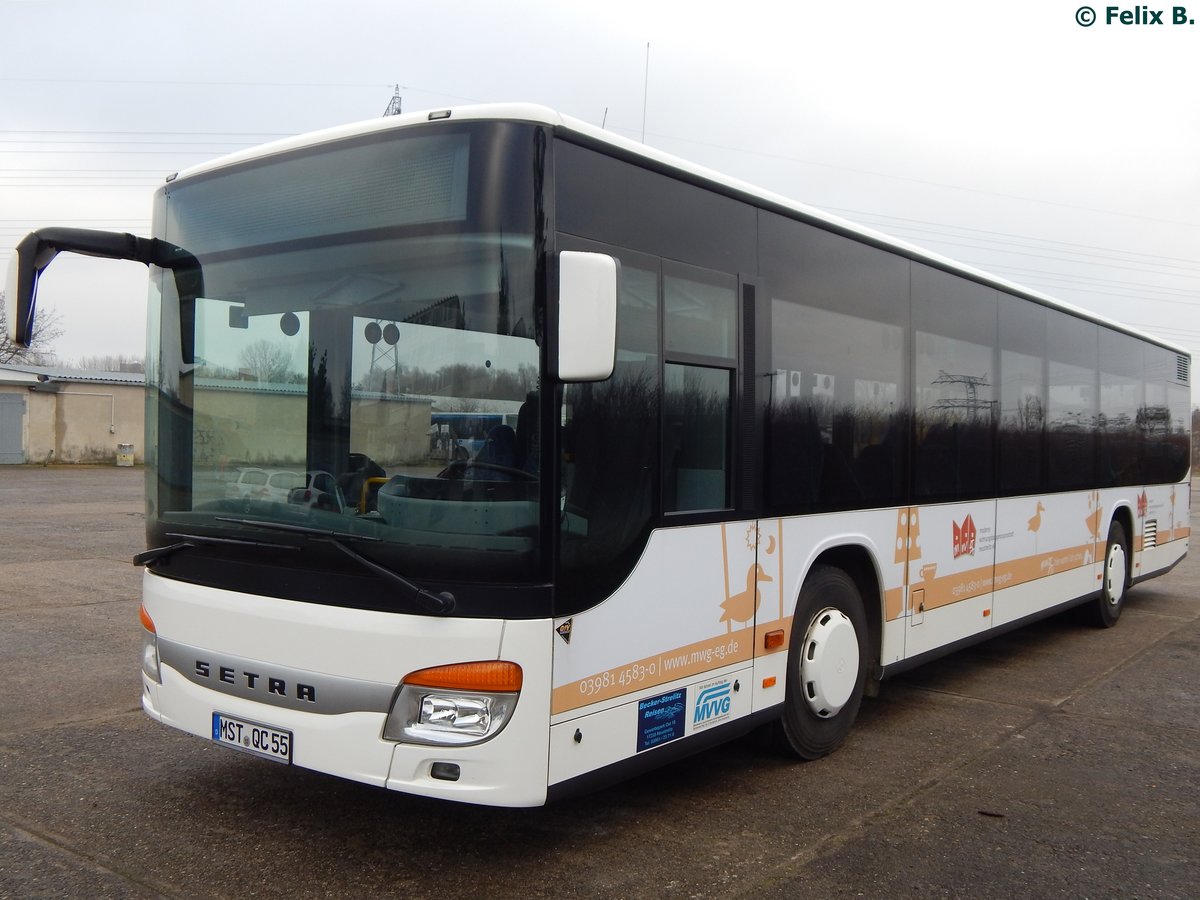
{"x":252,"y":737}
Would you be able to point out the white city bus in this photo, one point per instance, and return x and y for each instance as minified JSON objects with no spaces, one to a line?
{"x":743,"y":460}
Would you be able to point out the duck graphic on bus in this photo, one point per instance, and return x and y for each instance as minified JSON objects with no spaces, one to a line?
{"x":742,"y":606}
{"x":755,"y":550}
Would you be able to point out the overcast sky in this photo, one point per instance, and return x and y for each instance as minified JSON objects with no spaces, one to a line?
{"x":1004,"y":135}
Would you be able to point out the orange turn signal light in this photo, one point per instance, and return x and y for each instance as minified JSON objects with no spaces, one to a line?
{"x":485,"y":677}
{"x":147,"y":622}
{"x":769,"y":682}
{"x":773,"y":640}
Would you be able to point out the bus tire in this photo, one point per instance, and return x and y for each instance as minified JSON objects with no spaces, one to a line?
{"x":1106,"y":609}
{"x":827,"y":665}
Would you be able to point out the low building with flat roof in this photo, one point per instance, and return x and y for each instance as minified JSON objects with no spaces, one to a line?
{"x":55,"y":414}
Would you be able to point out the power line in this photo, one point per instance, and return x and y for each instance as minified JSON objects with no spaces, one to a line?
{"x":259,"y":134}
{"x":1083,"y":284}
{"x":155,"y":82}
{"x":241,"y":84}
{"x":1026,"y":253}
{"x":84,"y":145}
{"x":935,"y":226}
{"x":1170,"y":328}
{"x":64,"y":219}
{"x":114,"y":152}
{"x":25,"y":185}
{"x":1050,"y":288}
{"x":923,"y":181}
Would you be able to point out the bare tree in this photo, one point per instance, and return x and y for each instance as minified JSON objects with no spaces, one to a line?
{"x":1196,"y":437}
{"x":46,"y":330}
{"x":266,"y":362}
{"x":120,"y":362}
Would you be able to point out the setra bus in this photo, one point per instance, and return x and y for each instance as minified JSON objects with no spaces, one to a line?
{"x":743,"y":460}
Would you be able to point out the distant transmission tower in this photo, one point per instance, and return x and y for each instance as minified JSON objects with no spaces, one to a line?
{"x":971,"y":384}
{"x":384,"y":357}
{"x":393,"y":108}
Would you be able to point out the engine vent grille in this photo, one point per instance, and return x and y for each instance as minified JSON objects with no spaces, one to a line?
{"x":1150,"y":534}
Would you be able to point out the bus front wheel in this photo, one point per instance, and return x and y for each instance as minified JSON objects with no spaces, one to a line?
{"x":827,"y":665}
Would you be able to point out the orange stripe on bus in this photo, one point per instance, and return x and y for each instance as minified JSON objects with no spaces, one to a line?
{"x":947,"y":589}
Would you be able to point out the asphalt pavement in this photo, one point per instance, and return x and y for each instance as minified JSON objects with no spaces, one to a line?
{"x":1056,"y":761}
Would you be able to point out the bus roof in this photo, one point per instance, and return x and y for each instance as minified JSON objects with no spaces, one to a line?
{"x":568,"y":127}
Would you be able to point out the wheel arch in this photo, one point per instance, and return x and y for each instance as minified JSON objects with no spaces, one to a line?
{"x":1123,"y":514}
{"x":860,"y":564}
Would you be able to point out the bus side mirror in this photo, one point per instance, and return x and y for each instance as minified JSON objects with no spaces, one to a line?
{"x":25,"y":265}
{"x":587,"y":315}
{"x":38,"y":248}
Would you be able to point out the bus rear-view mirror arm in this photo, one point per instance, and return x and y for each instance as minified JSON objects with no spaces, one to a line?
{"x":587,"y":315}
{"x":38,"y":248}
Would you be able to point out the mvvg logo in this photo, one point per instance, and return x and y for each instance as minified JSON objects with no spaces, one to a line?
{"x":713,"y":703}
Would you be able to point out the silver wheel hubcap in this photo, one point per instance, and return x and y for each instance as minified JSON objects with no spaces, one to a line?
{"x":1114,"y":574}
{"x":829,"y":663}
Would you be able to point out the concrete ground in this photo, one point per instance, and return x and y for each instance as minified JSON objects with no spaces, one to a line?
{"x":1057,"y":761}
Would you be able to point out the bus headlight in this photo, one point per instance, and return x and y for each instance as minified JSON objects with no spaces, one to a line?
{"x":457,"y":715}
{"x":459,"y":704}
{"x":150,"y":665}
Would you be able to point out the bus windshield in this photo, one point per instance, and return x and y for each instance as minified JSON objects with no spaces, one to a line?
{"x":363,"y":360}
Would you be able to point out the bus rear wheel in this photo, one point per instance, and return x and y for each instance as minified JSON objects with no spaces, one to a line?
{"x":827,"y":665}
{"x":1106,"y":609}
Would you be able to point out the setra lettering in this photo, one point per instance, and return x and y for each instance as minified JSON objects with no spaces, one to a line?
{"x":252,"y":682}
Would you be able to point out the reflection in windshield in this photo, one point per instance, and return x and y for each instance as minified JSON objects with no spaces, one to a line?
{"x":360,"y":357}
{"x":387,"y":387}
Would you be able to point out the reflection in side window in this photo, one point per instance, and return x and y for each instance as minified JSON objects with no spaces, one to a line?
{"x":701,"y":311}
{"x":1072,"y":409}
{"x":1022,"y":338}
{"x":609,"y":439}
{"x":953,"y":406}
{"x":835,"y":429}
{"x":1121,"y":364}
{"x":697,"y":414}
{"x":251,"y":388}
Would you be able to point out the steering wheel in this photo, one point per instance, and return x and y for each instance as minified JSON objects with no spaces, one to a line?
{"x":459,"y":469}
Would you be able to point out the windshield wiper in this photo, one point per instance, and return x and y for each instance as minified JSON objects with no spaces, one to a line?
{"x":190,"y":541}
{"x":299,"y":529}
{"x":441,"y":603}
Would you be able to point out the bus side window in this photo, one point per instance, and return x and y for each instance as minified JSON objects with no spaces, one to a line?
{"x":610,"y":450}
{"x":700,"y":337}
{"x":697,"y":417}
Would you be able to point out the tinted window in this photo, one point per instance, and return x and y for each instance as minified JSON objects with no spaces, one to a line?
{"x":1164,"y":419}
{"x":1121,"y":378}
{"x":1022,"y":396}
{"x":701,"y":311}
{"x":837,"y":428}
{"x":1072,"y":410}
{"x":1178,"y":401}
{"x":954,"y":393}
{"x":697,"y":408}
{"x":608,"y":200}
{"x":610,"y":449}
